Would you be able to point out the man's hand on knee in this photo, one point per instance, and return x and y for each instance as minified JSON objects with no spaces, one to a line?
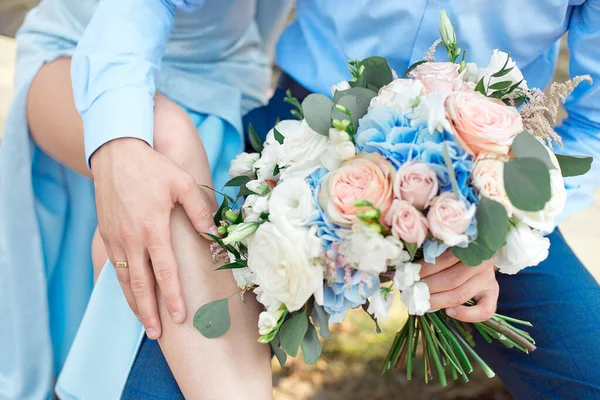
{"x":136,"y":189}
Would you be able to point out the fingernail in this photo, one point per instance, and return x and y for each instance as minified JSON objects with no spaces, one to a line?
{"x":451,"y":312}
{"x":177,"y":317}
{"x":213,"y":231}
{"x":151,"y":332}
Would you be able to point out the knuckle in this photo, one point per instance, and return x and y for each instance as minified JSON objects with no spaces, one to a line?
{"x":126,"y":236}
{"x":149,"y":229}
{"x":188,"y":184}
{"x":487,"y":311}
{"x":171,"y":302}
{"x":164,"y":274}
{"x":461,"y":297}
{"x":124,"y":279}
{"x":138,"y":286}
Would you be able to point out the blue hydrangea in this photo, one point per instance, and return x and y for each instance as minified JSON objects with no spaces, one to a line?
{"x":326,"y":230}
{"x":339,"y":297}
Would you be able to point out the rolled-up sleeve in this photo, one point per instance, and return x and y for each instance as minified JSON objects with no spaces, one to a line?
{"x":115,"y":65}
{"x":580,"y":131}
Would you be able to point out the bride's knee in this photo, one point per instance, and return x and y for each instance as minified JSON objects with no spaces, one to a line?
{"x":176,"y":136}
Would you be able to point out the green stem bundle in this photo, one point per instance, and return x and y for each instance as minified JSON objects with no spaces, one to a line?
{"x":448,"y":344}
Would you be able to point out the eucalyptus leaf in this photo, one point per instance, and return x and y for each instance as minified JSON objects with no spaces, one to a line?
{"x":238,"y":181}
{"x":377,"y":71}
{"x":363,"y":94}
{"x":292,"y":332}
{"x":354,"y":105}
{"x":474,"y":254}
{"x":279,"y":353}
{"x":574,"y":165}
{"x":212,"y":319}
{"x":526,"y":146}
{"x":317,"y":112}
{"x":234,"y":265}
{"x":255,"y":141}
{"x":527,"y":183}
{"x":323,"y":318}
{"x":492,"y":223}
{"x":311,"y":345}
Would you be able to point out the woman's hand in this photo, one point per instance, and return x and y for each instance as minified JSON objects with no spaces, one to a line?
{"x":452,"y":283}
{"x":136,"y":189}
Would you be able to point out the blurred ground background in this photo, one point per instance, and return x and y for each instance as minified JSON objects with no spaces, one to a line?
{"x":353,"y":356}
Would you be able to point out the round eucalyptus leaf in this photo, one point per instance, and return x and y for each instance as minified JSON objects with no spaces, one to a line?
{"x":527,"y":183}
{"x":212,"y":319}
{"x":317,"y":112}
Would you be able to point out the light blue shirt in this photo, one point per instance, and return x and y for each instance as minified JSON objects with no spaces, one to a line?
{"x":212,"y":57}
{"x":314,"y":50}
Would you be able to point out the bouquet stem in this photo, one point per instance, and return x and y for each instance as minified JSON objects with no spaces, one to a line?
{"x":448,"y":344}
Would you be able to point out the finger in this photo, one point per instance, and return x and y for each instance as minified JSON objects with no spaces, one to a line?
{"x":158,"y":239}
{"x":461,"y":294}
{"x":188,"y":194}
{"x":450,"y":278}
{"x":482,"y":311}
{"x":116,"y":253}
{"x":445,"y":260}
{"x":142,"y":286}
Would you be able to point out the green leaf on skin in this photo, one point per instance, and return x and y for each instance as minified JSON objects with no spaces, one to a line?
{"x":212,"y":319}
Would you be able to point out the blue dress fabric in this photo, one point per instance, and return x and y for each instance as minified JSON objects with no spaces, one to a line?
{"x":47,"y":212}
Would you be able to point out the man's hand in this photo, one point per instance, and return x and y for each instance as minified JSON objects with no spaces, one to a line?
{"x":452,"y":283}
{"x":136,"y":189}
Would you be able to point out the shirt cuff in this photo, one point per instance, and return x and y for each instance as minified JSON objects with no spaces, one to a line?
{"x":124,"y":112}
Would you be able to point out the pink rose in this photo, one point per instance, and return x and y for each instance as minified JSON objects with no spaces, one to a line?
{"x":365,"y":177}
{"x":416,"y":183}
{"x":439,"y":76}
{"x":407,"y":223}
{"x":483,"y":124}
{"x":488,"y":178}
{"x":449,"y":219}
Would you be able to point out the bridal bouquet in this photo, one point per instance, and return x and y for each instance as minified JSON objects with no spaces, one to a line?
{"x":341,"y":204}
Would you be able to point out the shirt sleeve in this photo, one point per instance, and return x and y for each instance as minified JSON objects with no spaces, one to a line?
{"x":114,"y":67}
{"x":580,"y":131}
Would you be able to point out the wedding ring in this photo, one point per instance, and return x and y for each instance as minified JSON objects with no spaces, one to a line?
{"x":121,"y":264}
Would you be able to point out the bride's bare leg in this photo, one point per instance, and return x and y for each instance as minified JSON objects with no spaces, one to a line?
{"x":235,"y":366}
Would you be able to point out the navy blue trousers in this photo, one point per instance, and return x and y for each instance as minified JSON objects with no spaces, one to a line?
{"x":559,"y":297}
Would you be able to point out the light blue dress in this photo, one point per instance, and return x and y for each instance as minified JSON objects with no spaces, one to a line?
{"x":214,"y":65}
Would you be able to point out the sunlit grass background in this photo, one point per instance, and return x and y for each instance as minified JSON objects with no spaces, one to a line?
{"x":352,"y":359}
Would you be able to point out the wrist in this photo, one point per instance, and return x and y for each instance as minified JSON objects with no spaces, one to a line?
{"x":110,"y":151}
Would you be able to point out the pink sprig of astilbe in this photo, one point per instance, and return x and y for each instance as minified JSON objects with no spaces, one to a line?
{"x":540,"y":113}
{"x":218,"y":253}
{"x":430,"y":55}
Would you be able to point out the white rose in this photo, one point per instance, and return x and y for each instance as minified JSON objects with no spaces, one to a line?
{"x":282,"y":257}
{"x":401,"y":94}
{"x":292,"y":199}
{"x":267,"y":321}
{"x":416,"y":298}
{"x":243,"y":165}
{"x":379,"y":305}
{"x":301,"y":152}
{"x":267,"y":300}
{"x":345,"y":151}
{"x":543,"y":220}
{"x":254,"y":207}
{"x":524,"y":248}
{"x":406,"y":275}
{"x":432,"y":110}
{"x":341,"y":86}
{"x":368,"y":249}
{"x":496,"y":63}
{"x":244,"y":277}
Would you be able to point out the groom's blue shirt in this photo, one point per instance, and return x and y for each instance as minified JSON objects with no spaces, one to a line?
{"x":326,"y":34}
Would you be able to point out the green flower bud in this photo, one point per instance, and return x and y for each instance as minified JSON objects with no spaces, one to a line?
{"x":237,"y":233}
{"x":222,"y":230}
{"x":231,"y":216}
{"x":446,"y":30}
{"x":369,"y":215}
